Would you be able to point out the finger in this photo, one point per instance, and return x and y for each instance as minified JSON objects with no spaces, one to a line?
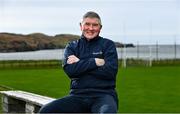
{"x":71,"y":56}
{"x":71,"y":61}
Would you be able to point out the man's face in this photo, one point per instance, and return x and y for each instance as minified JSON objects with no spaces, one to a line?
{"x":90,"y":28}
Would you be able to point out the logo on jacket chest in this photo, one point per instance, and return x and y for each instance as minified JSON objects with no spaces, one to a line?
{"x":91,"y":53}
{"x":97,"y":54}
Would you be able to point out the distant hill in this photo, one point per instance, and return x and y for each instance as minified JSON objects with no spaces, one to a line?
{"x":10,"y":42}
{"x":37,"y":41}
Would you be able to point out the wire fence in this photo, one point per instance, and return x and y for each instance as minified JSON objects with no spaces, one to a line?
{"x":30,"y":64}
{"x":145,"y":55}
{"x":149,"y":54}
{"x":155,"y":52}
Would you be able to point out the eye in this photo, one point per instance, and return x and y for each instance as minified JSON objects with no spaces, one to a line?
{"x":87,"y":24}
{"x":95,"y":25}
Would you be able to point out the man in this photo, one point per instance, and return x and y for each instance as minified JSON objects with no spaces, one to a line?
{"x":91,"y":63}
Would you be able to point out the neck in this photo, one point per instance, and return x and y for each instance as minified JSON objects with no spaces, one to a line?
{"x":90,"y":39}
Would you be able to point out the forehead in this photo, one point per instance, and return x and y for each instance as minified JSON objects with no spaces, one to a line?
{"x":90,"y":20}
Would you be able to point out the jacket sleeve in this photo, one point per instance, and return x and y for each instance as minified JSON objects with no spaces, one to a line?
{"x":110,"y":68}
{"x":76,"y":70}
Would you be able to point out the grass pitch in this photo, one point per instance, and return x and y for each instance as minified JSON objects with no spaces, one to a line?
{"x":140,"y":89}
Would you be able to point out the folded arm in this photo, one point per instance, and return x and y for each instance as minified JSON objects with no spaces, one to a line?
{"x":110,"y":68}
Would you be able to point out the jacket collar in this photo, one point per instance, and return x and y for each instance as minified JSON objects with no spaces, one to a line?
{"x":92,"y":40}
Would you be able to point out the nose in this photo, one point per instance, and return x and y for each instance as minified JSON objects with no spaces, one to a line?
{"x":91,"y":27}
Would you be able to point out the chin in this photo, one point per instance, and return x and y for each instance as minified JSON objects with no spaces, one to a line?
{"x":90,"y":37}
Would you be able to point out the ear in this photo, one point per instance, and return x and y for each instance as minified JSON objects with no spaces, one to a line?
{"x":80,"y":24}
{"x":101,"y":27}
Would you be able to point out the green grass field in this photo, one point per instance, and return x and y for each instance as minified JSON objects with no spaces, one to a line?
{"x":140,"y":89}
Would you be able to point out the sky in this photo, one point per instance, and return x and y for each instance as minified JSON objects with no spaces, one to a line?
{"x":127,"y":21}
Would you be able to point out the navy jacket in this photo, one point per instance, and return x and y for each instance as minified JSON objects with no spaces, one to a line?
{"x":85,"y":75}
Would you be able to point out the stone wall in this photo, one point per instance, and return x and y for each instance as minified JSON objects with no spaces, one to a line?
{"x":22,"y":102}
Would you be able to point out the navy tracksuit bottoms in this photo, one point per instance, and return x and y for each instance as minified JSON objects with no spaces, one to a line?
{"x":81,"y":104}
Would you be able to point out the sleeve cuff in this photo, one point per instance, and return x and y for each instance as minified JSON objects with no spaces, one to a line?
{"x":92,"y":63}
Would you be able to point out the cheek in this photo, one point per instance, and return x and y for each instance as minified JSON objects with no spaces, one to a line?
{"x":98,"y":30}
{"x":83,"y":28}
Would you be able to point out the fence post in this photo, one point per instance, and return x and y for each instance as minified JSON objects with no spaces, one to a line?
{"x":124,"y":56}
{"x":150,"y":55}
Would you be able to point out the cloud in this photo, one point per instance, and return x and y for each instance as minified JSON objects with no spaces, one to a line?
{"x":56,"y":16}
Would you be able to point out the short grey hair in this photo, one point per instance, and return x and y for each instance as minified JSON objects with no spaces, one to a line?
{"x":92,"y":14}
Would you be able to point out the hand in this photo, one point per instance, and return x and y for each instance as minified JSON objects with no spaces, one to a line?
{"x":99,"y":62}
{"x":72,"y":59}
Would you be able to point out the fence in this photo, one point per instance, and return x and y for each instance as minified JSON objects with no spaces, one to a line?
{"x":155,"y":52}
{"x":140,"y":54}
{"x":30,"y":64}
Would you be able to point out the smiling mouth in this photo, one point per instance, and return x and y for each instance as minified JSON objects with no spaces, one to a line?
{"x":90,"y":33}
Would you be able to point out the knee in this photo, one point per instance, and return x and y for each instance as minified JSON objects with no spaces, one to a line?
{"x":108,"y":109}
{"x":44,"y":109}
